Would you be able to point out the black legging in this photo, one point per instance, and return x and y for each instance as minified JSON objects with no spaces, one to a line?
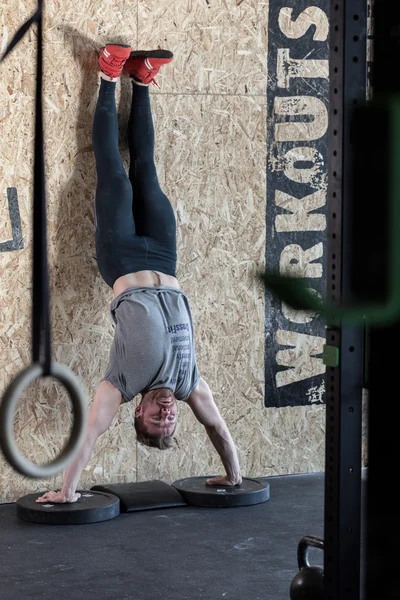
{"x":135,"y":227}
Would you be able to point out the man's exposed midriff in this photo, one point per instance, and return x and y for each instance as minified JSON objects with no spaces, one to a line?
{"x":143,"y":279}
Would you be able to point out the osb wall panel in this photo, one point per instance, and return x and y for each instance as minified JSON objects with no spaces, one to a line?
{"x":211,"y":147}
{"x":220,"y":45}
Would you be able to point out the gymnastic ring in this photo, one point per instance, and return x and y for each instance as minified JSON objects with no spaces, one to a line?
{"x":7,"y":408}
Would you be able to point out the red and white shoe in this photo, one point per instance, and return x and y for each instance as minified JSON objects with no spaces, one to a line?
{"x":113,"y":58}
{"x":143,"y":65}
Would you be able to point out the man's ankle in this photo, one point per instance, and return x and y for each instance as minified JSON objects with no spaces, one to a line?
{"x":137,"y":82}
{"x":107,"y":78}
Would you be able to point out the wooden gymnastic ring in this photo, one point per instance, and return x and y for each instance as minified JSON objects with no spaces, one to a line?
{"x":7,"y":409}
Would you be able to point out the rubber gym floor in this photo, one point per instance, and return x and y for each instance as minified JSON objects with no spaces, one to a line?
{"x":246,"y":553}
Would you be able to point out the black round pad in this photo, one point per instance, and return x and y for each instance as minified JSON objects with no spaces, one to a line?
{"x":195,"y":491}
{"x":91,"y":507}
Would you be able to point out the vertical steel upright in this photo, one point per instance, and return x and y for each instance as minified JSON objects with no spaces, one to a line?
{"x":342,"y":527}
{"x":382,"y":506}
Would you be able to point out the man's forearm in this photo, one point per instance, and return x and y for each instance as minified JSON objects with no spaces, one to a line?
{"x":224,"y":445}
{"x":74,"y":471}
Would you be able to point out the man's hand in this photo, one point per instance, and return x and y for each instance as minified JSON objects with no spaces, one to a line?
{"x":224,"y":480}
{"x":58,"y":497}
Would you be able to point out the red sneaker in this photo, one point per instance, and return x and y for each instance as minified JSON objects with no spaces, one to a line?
{"x":112,"y":59}
{"x":144,"y":65}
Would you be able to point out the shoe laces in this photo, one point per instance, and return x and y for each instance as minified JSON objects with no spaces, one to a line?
{"x":116,"y":62}
{"x":150,"y":78}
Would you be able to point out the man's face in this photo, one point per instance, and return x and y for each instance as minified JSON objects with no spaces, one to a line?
{"x":158,"y":411}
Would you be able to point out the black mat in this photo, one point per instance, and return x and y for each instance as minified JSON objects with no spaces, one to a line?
{"x":143,"y":495}
{"x":181,"y":553}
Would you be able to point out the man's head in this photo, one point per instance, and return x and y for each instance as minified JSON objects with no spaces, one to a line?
{"x":155,"y":418}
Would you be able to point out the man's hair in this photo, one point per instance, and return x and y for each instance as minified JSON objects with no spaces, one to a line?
{"x":162,"y":442}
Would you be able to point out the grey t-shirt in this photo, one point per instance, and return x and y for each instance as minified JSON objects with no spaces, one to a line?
{"x":153,"y":344}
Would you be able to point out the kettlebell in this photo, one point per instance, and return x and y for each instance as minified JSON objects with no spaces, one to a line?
{"x":308,"y":584}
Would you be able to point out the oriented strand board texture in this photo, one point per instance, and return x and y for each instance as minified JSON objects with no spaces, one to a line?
{"x":210,"y":118}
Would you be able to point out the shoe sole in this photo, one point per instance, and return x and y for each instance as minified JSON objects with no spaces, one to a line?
{"x":151,"y":54}
{"x":119,"y":45}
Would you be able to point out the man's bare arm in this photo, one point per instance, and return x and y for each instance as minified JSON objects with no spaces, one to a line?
{"x":202,"y":403}
{"x":101,"y":414}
